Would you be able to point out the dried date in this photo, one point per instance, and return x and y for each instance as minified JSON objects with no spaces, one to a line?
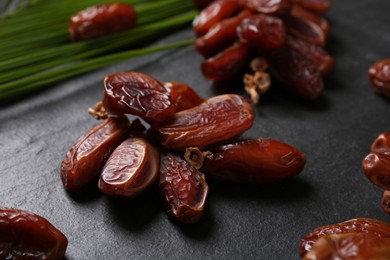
{"x":213,"y":13}
{"x":318,"y":6}
{"x":376,"y":165}
{"x":386,"y":201}
{"x":254,"y":161}
{"x":137,"y":94}
{"x":102,"y":20}
{"x":182,"y":96}
{"x":85,"y":160}
{"x":131,"y":169}
{"x":262,"y":32}
{"x":217,"y":119}
{"x":350,"y":246}
{"x":273,"y":7}
{"x":379,"y":75}
{"x":25,"y":235}
{"x":306,"y":14}
{"x":355,"y":226}
{"x":184,"y":188}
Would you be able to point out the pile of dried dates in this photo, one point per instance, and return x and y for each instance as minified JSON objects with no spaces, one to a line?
{"x":282,"y":38}
{"x":187,"y":139}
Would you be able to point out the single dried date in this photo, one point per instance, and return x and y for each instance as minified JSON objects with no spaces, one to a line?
{"x":351,"y":246}
{"x":255,"y":161}
{"x":85,"y":160}
{"x":183,"y":188}
{"x":318,"y":6}
{"x":262,"y":32}
{"x":213,"y":13}
{"x":130,"y":170}
{"x":376,"y":165}
{"x":182,"y":96}
{"x":137,"y":94}
{"x":102,"y":20}
{"x":379,"y":75}
{"x":359,"y":225}
{"x":228,"y":64}
{"x":306,"y":14}
{"x":217,"y":119}
{"x":25,"y":235}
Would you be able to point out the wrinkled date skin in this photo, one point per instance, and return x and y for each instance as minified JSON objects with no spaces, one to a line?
{"x":25,"y":235}
{"x":350,"y":246}
{"x":217,"y":119}
{"x":386,"y":201}
{"x":376,"y":165}
{"x":137,"y":94}
{"x":262,"y":31}
{"x":131,"y":169}
{"x":296,"y":72}
{"x":379,"y":75}
{"x":228,"y":64}
{"x":102,"y":20}
{"x":359,"y":225}
{"x":325,"y":63}
{"x":274,"y":7}
{"x":220,"y":36}
{"x":85,"y":160}
{"x":184,"y":188}
{"x":182,"y":96}
{"x":318,"y":6}
{"x":215,"y":12}
{"x":256,"y":161}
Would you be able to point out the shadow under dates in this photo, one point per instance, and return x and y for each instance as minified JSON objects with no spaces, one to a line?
{"x":89,"y":194}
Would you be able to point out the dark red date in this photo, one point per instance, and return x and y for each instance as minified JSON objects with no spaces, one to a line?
{"x":217,"y":119}
{"x":131,"y":169}
{"x":183,"y":188}
{"x":262,"y":32}
{"x":359,"y":225}
{"x":221,"y":35}
{"x":228,"y":64}
{"x":274,"y":7}
{"x":137,"y":94}
{"x":306,"y":14}
{"x":351,"y":246}
{"x":386,"y":201}
{"x":379,"y":75}
{"x":102,"y":20}
{"x":256,"y":161}
{"x":182,"y":96}
{"x":85,"y":160}
{"x":213,"y":13}
{"x":25,"y":235}
{"x":296,"y":72}
{"x":376,"y":165}
{"x":318,"y":6}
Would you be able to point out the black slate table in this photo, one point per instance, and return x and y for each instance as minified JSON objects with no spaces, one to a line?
{"x":239,"y":222}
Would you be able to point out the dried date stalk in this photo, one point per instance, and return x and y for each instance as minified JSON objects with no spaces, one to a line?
{"x":259,"y":82}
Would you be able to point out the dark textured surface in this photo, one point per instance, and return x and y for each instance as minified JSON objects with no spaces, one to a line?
{"x":239,"y":222}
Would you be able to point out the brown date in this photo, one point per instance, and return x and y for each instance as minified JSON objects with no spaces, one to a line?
{"x":350,"y":246}
{"x":324,"y":62}
{"x":25,"y":235}
{"x":356,"y":226}
{"x":217,"y":119}
{"x":296,"y":72}
{"x":306,"y":14}
{"x":318,"y":6}
{"x":304,"y":29}
{"x":102,"y":20}
{"x":130,"y":170}
{"x":137,"y":94}
{"x":228,"y":64}
{"x":376,"y":165}
{"x":274,"y":7}
{"x":182,"y":96}
{"x":379,"y":75}
{"x":255,"y":161}
{"x":221,"y":35}
{"x":85,"y":160}
{"x":263,"y":32}
{"x":213,"y":13}
{"x":386,"y":201}
{"x":183,"y":187}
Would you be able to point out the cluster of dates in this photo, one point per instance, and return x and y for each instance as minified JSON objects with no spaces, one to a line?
{"x":281,"y":38}
{"x":376,"y":166}
{"x":188,"y":136}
